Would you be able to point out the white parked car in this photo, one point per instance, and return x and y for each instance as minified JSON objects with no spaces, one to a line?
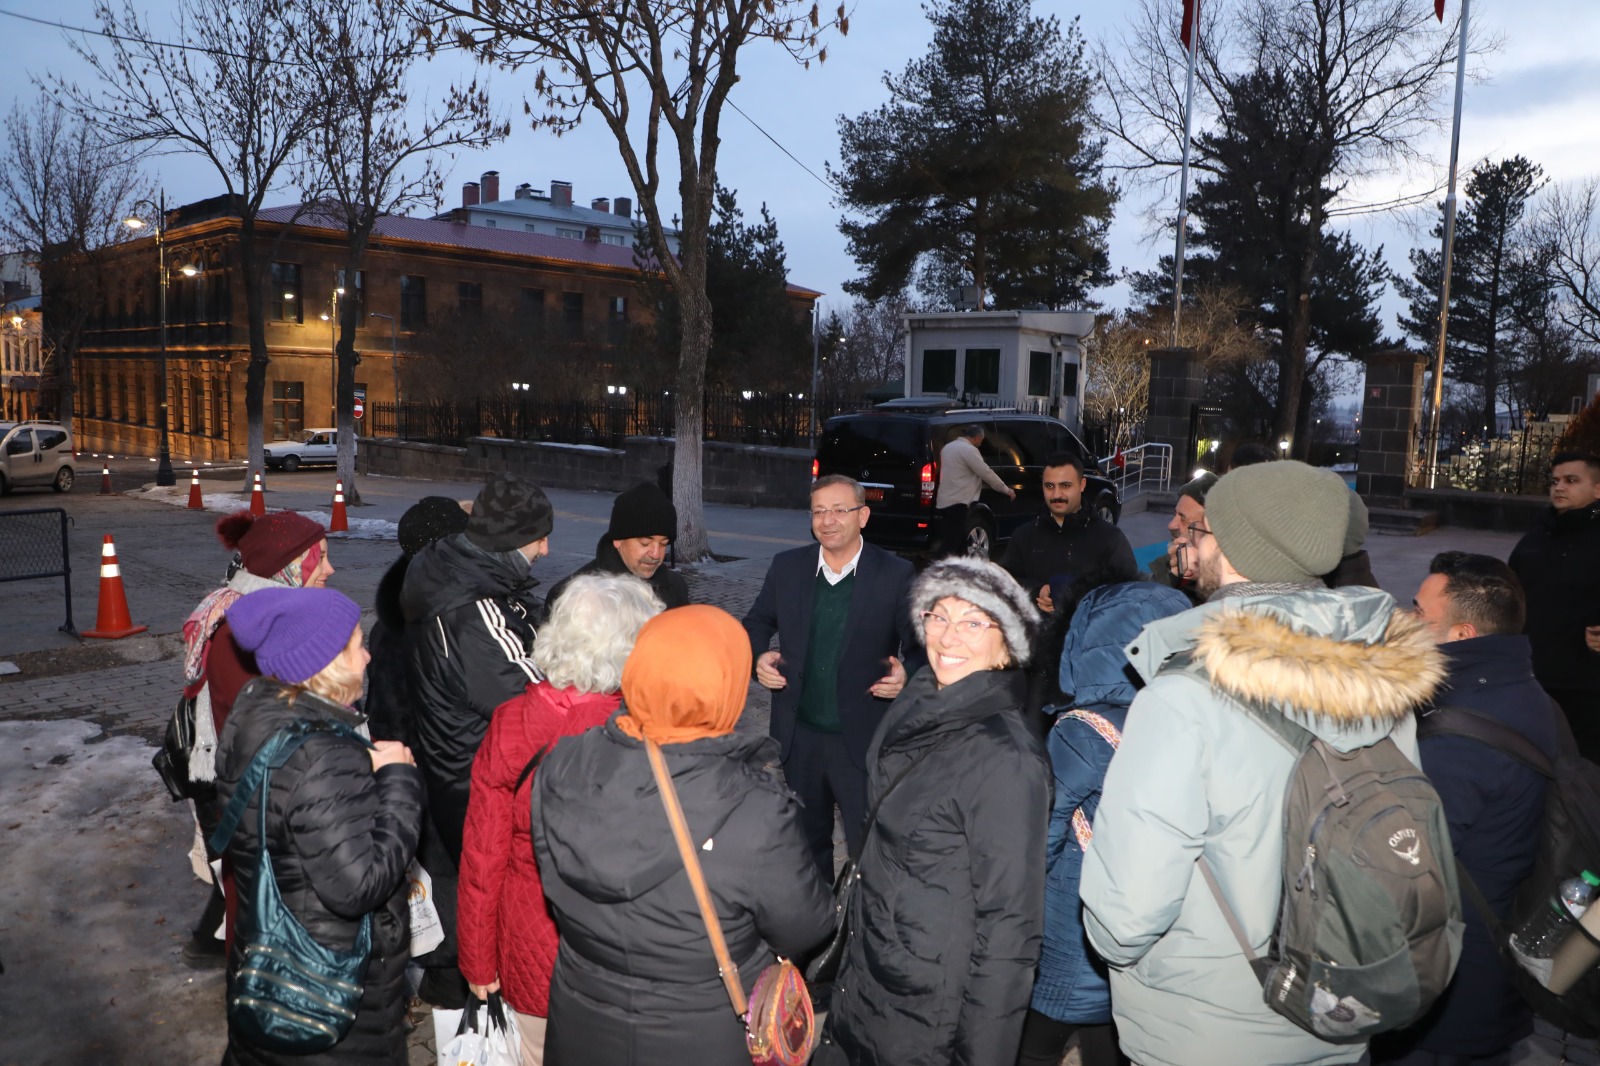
{"x":317,"y":446}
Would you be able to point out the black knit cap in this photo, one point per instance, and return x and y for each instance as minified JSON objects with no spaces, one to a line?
{"x":510,"y":512}
{"x":429,"y":519}
{"x":643,"y":511}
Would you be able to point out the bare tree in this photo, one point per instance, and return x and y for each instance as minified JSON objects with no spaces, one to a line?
{"x":220,"y":90}
{"x":1364,"y":79}
{"x":371,"y":154}
{"x":654,"y":71}
{"x":1567,"y":227}
{"x":64,"y":192}
{"x":868,"y":346}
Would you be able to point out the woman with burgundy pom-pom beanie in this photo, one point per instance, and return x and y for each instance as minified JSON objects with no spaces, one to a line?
{"x":278,"y":550}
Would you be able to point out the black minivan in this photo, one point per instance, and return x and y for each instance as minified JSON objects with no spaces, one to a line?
{"x":893,"y":450}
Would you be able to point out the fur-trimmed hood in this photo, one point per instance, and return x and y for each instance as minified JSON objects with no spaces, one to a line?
{"x":1342,"y":662}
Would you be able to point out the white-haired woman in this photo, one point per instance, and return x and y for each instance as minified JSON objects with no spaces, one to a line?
{"x":507,"y":937}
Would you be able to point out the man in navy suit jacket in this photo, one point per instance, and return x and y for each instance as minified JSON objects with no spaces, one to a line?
{"x":845,"y":646}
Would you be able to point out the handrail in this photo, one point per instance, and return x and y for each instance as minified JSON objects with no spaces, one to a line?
{"x":1145,"y":468}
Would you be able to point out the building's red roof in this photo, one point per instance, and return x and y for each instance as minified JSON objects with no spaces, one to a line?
{"x":480,"y":238}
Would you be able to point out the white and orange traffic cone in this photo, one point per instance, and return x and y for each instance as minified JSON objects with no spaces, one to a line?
{"x":196,"y":503}
{"x":112,"y":621}
{"x":340,"y":522}
{"x":258,"y":502}
{"x":105,"y":481}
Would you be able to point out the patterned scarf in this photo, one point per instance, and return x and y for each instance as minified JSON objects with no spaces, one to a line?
{"x":203,"y":621}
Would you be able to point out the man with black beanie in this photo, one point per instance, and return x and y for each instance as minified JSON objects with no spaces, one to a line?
{"x":643,"y":525}
{"x":470,"y":618}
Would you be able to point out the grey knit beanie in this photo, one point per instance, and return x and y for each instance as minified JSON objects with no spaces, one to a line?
{"x":1280,"y":522}
{"x":990,"y":589}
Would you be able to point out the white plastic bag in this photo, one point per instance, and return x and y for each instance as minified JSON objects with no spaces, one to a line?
{"x":427,"y":932}
{"x":480,"y":1035}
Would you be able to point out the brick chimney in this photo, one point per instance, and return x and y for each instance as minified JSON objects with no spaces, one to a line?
{"x":469,"y":194}
{"x":560,"y":193}
{"x":600,"y":203}
{"x":491,"y":186}
{"x":524,"y":192}
{"x":623,"y":206}
{"x":591,"y":234}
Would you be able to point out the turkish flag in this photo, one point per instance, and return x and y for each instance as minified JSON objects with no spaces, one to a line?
{"x":1117,"y":460}
{"x":1191,"y":15}
{"x":1438,"y":9}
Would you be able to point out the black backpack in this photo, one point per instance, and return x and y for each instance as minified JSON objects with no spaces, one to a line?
{"x":1569,"y":841}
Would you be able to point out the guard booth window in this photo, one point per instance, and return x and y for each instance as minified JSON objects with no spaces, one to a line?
{"x":1038,"y":373}
{"x":982,"y":371}
{"x":288,"y":409}
{"x":938,"y":370}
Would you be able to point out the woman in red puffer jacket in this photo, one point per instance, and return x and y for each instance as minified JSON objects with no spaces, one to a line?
{"x":507,"y":937}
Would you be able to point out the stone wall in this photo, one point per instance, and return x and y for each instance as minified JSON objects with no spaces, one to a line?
{"x":1479,"y":510}
{"x":1177,"y":383}
{"x":744,"y":474}
{"x":1390,"y":414}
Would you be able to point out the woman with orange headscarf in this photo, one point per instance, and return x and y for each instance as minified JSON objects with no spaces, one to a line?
{"x":635,"y":977}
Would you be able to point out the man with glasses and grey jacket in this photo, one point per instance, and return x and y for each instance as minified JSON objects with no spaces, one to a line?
{"x":845,"y":647}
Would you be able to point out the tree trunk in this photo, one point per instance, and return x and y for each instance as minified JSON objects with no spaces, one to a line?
{"x":694,"y":542}
{"x":345,"y":390}
{"x":1491,"y":347}
{"x":1292,"y":363}
{"x":255,"y":382}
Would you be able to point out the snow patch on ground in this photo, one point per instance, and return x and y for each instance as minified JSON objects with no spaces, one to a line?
{"x":229,"y":503}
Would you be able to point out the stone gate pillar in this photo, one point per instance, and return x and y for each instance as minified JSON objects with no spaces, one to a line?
{"x":1177,"y":383}
{"x":1391,"y":421}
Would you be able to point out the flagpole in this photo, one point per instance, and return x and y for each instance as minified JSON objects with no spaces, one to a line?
{"x":1193,"y":48}
{"x":1449,"y":246}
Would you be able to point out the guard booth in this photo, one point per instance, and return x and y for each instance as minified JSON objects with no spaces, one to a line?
{"x":1030,"y":360}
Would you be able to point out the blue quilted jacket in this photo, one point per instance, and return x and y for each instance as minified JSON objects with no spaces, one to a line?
{"x":1071,"y":985}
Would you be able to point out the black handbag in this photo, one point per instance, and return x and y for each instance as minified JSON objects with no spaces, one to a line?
{"x":823,"y":968}
{"x":290,"y":993}
{"x":171,"y":760}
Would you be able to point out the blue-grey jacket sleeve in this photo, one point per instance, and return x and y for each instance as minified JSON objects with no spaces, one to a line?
{"x":1150,"y":827}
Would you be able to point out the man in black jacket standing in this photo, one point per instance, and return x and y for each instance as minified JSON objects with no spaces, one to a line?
{"x":643,"y":526}
{"x":1057,"y":558}
{"x":1558,"y":562}
{"x":1474,"y":607}
{"x":470,"y":619}
{"x":845,"y":647}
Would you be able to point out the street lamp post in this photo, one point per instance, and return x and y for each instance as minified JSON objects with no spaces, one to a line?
{"x":333,"y":351}
{"x":394,"y":362}
{"x":164,"y":474}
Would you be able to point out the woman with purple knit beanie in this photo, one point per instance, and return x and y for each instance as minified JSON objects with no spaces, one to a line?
{"x":342,"y":820}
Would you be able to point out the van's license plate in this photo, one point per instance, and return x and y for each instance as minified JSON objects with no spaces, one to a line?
{"x":874,"y":494}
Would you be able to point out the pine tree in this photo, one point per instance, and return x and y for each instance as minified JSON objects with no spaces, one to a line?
{"x":980,"y":169}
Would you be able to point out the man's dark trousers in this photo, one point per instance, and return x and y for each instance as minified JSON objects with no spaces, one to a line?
{"x":819,"y":769}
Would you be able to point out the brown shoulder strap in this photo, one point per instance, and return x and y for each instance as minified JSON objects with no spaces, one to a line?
{"x":697,"y":878}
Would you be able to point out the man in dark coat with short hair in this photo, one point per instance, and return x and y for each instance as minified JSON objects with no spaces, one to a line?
{"x":845,"y":648}
{"x":1494,"y":803}
{"x":644,"y":524}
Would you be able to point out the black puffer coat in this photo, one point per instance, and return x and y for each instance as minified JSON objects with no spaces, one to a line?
{"x":391,"y":703}
{"x":341,"y":838}
{"x":666,"y":583}
{"x":1558,"y":563}
{"x":948,"y":917}
{"x":470,"y":623}
{"x":635,"y":977}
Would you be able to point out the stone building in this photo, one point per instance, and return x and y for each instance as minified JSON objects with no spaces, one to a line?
{"x":417,"y":271}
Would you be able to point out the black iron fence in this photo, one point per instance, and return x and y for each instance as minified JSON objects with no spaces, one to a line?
{"x":1517,"y":462}
{"x":778,"y":420}
{"x":33,"y":544}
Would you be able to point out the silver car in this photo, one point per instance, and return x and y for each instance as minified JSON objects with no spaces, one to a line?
{"x":314,"y":446}
{"x":35,"y":453}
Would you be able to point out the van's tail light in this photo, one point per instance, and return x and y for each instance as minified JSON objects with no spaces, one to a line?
{"x":815,"y":466}
{"x":930,"y":481}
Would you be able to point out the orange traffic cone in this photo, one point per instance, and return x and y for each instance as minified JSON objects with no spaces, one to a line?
{"x":112,"y":621}
{"x":105,"y":481}
{"x":341,"y":521}
{"x":258,"y":502}
{"x":195,"y":502}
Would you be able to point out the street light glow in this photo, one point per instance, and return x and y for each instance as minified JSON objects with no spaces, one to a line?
{"x":135,"y":223}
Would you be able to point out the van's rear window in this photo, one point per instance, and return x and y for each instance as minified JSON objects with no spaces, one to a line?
{"x":872,"y":442}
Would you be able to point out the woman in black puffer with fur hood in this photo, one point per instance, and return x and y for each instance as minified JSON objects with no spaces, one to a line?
{"x":342,"y":821}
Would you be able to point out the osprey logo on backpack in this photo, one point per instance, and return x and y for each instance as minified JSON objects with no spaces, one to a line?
{"x":1408,"y":853}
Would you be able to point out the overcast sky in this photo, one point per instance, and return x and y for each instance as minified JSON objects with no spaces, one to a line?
{"x":1539,"y":98}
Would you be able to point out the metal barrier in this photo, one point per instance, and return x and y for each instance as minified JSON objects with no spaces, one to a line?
{"x":1147,"y":468}
{"x":33,"y":545}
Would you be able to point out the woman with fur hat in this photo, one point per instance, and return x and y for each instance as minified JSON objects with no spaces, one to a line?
{"x":278,"y":550}
{"x":948,"y":916}
{"x":635,"y":978}
{"x":341,"y":820}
